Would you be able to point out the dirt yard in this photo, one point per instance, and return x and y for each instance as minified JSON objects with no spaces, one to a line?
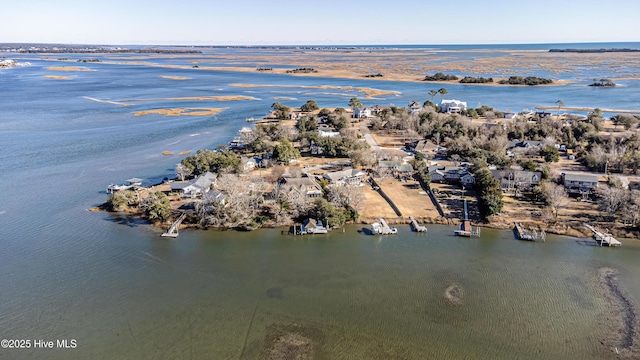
{"x":408,"y":196}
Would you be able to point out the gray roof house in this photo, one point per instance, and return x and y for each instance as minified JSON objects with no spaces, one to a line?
{"x":579,"y":182}
{"x":517,"y":179}
{"x":345,"y":177}
{"x":304,"y":185}
{"x":196,"y":187}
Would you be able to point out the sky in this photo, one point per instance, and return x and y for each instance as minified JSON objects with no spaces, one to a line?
{"x":328,"y":22}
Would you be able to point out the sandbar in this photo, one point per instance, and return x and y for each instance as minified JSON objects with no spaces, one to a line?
{"x":369,"y":93}
{"x":68,"y":68}
{"x":180,"y":111}
{"x":58,"y":77}
{"x":198,"y":98}
{"x":170,"y":77}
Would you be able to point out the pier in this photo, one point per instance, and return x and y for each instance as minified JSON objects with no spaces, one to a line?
{"x":466,"y":229}
{"x":603,"y":238}
{"x":417,"y":227}
{"x":173,"y":230}
{"x":530,"y":235}
{"x":383,"y":228}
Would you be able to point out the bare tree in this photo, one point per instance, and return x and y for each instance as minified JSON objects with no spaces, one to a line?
{"x":182,"y":171}
{"x":295,"y":171}
{"x":348,"y":195}
{"x":612,"y":199}
{"x":555,"y":195}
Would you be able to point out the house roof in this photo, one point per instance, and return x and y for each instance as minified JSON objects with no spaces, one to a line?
{"x":580,"y":177}
{"x":339,"y":175}
{"x":405,"y":168}
{"x":388,"y":164}
{"x":517,"y":175}
{"x":303,"y":181}
{"x":179,"y":185}
{"x":427,"y":146}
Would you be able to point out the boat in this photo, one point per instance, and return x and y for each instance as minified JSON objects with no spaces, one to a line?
{"x":250,"y":119}
{"x":129,"y":184}
{"x":381,"y":228}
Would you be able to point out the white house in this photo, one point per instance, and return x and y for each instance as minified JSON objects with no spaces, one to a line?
{"x":345,"y":177}
{"x":453,"y":106}
{"x":328,"y":134}
{"x":196,"y":187}
{"x":414,"y":107}
{"x":362,"y":113}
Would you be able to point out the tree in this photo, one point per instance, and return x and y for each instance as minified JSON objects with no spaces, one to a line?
{"x":309,"y":106}
{"x":550,"y":153}
{"x":432,"y":93}
{"x":182,"y":171}
{"x":284,"y":152}
{"x":560,"y":104}
{"x":555,"y":195}
{"x":442,"y":92}
{"x":121,"y":200}
{"x":157,"y":206}
{"x":612,"y":199}
{"x":280,"y":111}
{"x":354,"y":103}
{"x":490,"y":193}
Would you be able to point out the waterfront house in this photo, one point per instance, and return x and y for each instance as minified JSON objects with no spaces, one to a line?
{"x":414,"y":107}
{"x":453,"y":106}
{"x":517,"y":179}
{"x":579,"y":183}
{"x":311,"y":226}
{"x":451,"y":174}
{"x":305,"y":186}
{"x":362,"y":113}
{"x":248,"y":164}
{"x":196,"y":187}
{"x":345,"y":177}
{"x":378,"y":109}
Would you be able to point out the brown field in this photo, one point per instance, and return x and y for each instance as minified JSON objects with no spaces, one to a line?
{"x":180,"y":111}
{"x":408,"y":197}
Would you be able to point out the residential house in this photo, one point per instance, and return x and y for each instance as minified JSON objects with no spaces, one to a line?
{"x":196,"y":187}
{"x":388,"y":168}
{"x":328,"y":134}
{"x":517,"y":179}
{"x":345,"y":177}
{"x":378,"y":109}
{"x":248,"y":164}
{"x":316,"y":149}
{"x":405,"y":170}
{"x":451,"y":174}
{"x":428,"y":148}
{"x":362,"y":113}
{"x":305,"y":186}
{"x":311,"y":226}
{"x":453,"y":106}
{"x":579,"y":183}
{"x":523,"y":147}
{"x":414,"y":107}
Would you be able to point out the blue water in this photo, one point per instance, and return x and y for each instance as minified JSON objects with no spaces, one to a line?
{"x":123,"y":292}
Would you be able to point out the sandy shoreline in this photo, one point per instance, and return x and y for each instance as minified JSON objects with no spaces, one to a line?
{"x":58,"y":77}
{"x":369,"y":93}
{"x":198,"y":98}
{"x":69,"y":68}
{"x":180,"y":111}
{"x":179,"y":78}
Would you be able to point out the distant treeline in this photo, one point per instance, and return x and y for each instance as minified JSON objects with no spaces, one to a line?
{"x":529,"y":80}
{"x":302,"y":71}
{"x":593,"y":50}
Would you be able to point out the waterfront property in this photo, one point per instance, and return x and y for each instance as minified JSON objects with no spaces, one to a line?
{"x":312,"y":226}
{"x":453,"y":106}
{"x":196,"y":187}
{"x":345,"y":177}
{"x":579,"y":183}
{"x":305,"y":186}
{"x":517,"y":179}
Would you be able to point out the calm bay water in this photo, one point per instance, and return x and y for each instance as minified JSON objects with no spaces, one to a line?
{"x":123,"y":292}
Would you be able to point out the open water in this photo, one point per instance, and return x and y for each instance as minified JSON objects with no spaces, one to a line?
{"x":121,"y":291}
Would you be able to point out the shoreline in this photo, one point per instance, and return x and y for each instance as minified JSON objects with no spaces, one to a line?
{"x":569,"y":229}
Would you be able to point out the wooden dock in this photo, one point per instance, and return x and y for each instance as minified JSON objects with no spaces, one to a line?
{"x":417,"y":227}
{"x":173,"y":230}
{"x":382,"y":228}
{"x":466,"y":229}
{"x":603,"y":238}
{"x":530,"y":235}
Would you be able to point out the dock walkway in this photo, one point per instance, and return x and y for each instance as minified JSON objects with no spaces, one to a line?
{"x":603,"y":238}
{"x":531,"y":235}
{"x":417,"y":227}
{"x":173,"y":230}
